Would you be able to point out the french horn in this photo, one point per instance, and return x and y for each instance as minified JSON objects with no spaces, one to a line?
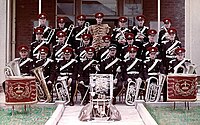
{"x":62,"y":89}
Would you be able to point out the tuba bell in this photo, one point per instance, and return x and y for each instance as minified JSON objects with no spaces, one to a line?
{"x":42,"y":86}
{"x":62,"y":89}
{"x":12,"y":69}
{"x":132,"y":91}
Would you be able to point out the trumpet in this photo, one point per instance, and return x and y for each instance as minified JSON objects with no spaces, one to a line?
{"x":62,"y":89}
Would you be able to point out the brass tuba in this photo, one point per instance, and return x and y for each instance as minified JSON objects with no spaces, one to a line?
{"x":42,"y":83}
{"x":12,"y":69}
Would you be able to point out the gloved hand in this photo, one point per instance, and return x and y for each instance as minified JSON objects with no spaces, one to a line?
{"x":69,"y":81}
{"x":115,"y":81}
{"x":81,"y":82}
{"x":129,"y":80}
{"x":97,"y":68}
{"x":49,"y":82}
{"x":139,"y":80}
{"x":118,"y":69}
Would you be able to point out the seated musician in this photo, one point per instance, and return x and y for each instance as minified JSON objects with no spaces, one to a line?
{"x":113,"y":65}
{"x":48,"y":67}
{"x":180,"y":64}
{"x":133,"y":66}
{"x":86,"y":67}
{"x":25,"y":63}
{"x":68,"y":68}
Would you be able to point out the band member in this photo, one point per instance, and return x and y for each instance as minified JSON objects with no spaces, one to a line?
{"x":103,"y":52}
{"x":98,"y":31}
{"x":163,"y":34}
{"x":134,"y":66}
{"x":153,"y":66}
{"x":81,"y":52}
{"x":151,"y":43}
{"x":57,"y":49}
{"x":180,"y":64}
{"x":79,"y":30}
{"x":87,"y":67}
{"x":121,"y":30}
{"x":113,"y":65}
{"x":25,"y":64}
{"x":39,"y":41}
{"x":140,"y":31}
{"x":48,"y":67}
{"x":168,"y":47}
{"x":47,"y":31}
{"x":68,"y":67}
{"x":130,"y":41}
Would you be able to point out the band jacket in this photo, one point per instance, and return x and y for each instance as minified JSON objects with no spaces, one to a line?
{"x":67,"y":68}
{"x":25,"y":65}
{"x":145,"y":53}
{"x":133,"y":68}
{"x":48,"y":68}
{"x":136,"y":30}
{"x":107,"y":68}
{"x":56,"y":48}
{"x":87,"y":67}
{"x":35,"y":47}
{"x":55,"y":38}
{"x":102,"y":54}
{"x":153,"y":68}
{"x":125,"y":54}
{"x":119,"y":32}
{"x":161,"y":36}
{"x":178,"y":66}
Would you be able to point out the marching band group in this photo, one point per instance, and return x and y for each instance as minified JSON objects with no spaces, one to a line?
{"x":78,"y":51}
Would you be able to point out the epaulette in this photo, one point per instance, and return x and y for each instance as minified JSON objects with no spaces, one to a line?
{"x":165,"y":41}
{"x":178,"y":41}
{"x":146,"y":27}
{"x":16,"y":59}
{"x":30,"y":59}
{"x":124,"y":46}
{"x":134,"y":27}
{"x":145,"y":44}
{"x":145,"y":61}
{"x":33,"y":42}
{"x":50,"y":60}
{"x":172,"y":60}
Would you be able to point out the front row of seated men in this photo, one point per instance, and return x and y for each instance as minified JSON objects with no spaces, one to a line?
{"x":77,"y":72}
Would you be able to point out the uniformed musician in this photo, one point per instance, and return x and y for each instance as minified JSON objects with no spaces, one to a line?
{"x":68,"y":68}
{"x":79,"y":30}
{"x":151,"y":43}
{"x":86,"y":67}
{"x":48,"y":67}
{"x":98,"y":31}
{"x":168,"y":47}
{"x":39,"y":41}
{"x":140,"y":30}
{"x":80,"y":51}
{"x":103,"y":52}
{"x":163,"y":34}
{"x":57,"y":49}
{"x":113,"y":65}
{"x":47,"y":31}
{"x":121,"y":30}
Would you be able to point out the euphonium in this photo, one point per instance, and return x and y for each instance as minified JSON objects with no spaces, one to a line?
{"x":179,"y":68}
{"x":62,"y":90}
{"x":12,"y":69}
{"x":40,"y":77}
{"x":152,"y":89}
{"x":132,"y":91}
{"x":161,"y":80}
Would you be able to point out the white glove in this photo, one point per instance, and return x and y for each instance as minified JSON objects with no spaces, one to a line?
{"x":81,"y":82}
{"x":139,"y":80}
{"x":49,"y":82}
{"x":115,"y":81}
{"x":118,"y":69}
{"x":97,"y":68}
{"x":129,"y":79}
{"x":69,"y":81}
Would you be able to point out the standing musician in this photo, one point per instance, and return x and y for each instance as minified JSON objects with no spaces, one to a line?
{"x":168,"y":47}
{"x":48,"y":67}
{"x":57,"y":49}
{"x":25,"y":64}
{"x":133,"y":65}
{"x":79,"y":30}
{"x":39,"y":41}
{"x":151,"y":43}
{"x":103,"y":52}
{"x":163,"y":34}
{"x":98,"y":31}
{"x":80,"y":51}
{"x":68,"y":67}
{"x":121,"y":30}
{"x":47,"y":31}
{"x":180,"y":64}
{"x":113,"y":65}
{"x":86,"y":67}
{"x":140,"y":31}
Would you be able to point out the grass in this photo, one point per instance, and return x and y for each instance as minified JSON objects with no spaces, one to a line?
{"x":33,"y":116}
{"x":179,"y":116}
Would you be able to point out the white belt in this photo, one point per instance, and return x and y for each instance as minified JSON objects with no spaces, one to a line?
{"x":132,"y":72}
{"x":65,"y":73}
{"x":152,"y":74}
{"x":170,"y":56}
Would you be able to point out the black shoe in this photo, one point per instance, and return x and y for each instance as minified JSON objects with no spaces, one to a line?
{"x":114,"y":101}
{"x":71,"y":103}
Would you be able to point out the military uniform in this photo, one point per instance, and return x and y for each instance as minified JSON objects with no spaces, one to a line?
{"x":68,"y":68}
{"x":86,"y":67}
{"x":140,"y":30}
